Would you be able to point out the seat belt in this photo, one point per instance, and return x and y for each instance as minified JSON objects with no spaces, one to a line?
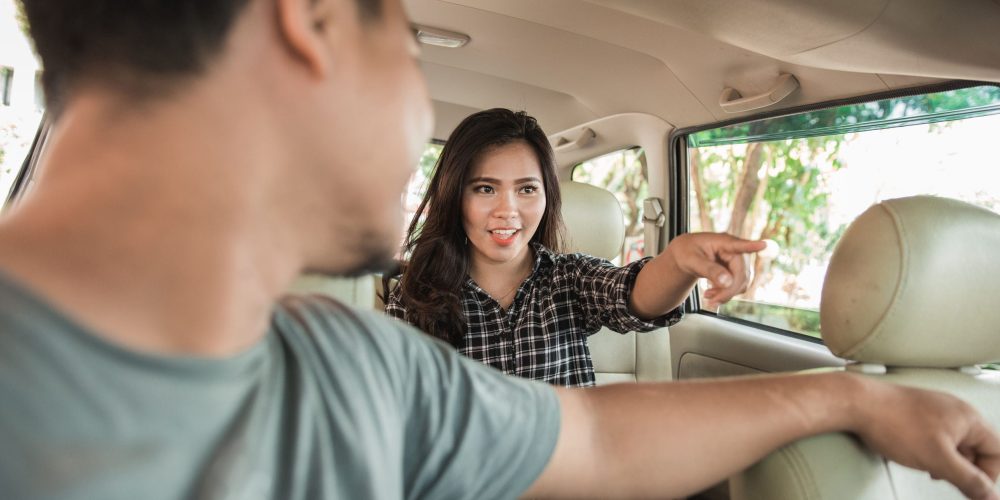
{"x":653,"y":220}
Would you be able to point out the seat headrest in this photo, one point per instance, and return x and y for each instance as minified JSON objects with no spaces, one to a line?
{"x":594,"y":221}
{"x":916,"y":282}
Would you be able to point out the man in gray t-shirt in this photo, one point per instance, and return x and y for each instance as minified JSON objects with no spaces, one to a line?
{"x":206,"y":152}
{"x":333,"y":403}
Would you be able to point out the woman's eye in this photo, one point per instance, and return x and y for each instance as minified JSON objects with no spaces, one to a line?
{"x":529,"y":189}
{"x":484,"y":189}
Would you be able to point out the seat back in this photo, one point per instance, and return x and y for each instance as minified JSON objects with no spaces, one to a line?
{"x":909,"y":298}
{"x":595,"y":226}
{"x":358,"y":292}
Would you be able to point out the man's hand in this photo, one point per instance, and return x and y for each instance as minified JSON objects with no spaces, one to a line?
{"x":934,"y":432}
{"x":718,"y":257}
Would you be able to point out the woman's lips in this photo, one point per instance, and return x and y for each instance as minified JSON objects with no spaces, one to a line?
{"x":504,"y":237}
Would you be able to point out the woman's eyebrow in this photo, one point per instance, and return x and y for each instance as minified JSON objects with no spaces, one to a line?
{"x":491,"y":180}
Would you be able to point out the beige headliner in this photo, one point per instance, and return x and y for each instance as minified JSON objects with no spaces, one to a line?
{"x":569,"y":62}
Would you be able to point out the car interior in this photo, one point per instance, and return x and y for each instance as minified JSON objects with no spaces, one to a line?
{"x":769,"y":119}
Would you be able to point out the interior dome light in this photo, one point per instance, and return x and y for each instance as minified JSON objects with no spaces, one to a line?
{"x":439,"y":38}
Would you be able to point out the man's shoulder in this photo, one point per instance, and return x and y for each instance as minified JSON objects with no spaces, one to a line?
{"x":320,"y":325}
{"x":317,"y":314}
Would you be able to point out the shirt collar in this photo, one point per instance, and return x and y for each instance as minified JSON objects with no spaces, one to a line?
{"x":543,"y":257}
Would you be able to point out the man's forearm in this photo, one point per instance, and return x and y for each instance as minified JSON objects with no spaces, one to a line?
{"x":644,"y":440}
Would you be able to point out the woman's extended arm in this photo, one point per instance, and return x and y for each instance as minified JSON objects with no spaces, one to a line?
{"x":666,"y":281}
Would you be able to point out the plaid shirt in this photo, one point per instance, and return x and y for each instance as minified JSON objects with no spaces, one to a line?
{"x":543,"y":334}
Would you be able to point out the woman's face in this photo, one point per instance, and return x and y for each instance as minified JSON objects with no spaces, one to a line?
{"x":502,"y":204}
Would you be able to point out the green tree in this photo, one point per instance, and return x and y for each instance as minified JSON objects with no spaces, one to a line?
{"x":22,"y":18}
{"x":429,"y":158}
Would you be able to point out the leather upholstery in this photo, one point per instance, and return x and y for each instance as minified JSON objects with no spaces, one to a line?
{"x":910,"y":286}
{"x":358,"y":292}
{"x":595,"y":226}
{"x":594,"y":220}
{"x":914,"y":283}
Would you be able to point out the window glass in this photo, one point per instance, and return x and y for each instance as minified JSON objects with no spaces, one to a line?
{"x":800,"y":180}
{"x":417,"y":186}
{"x":19,"y":114}
{"x":623,"y":174}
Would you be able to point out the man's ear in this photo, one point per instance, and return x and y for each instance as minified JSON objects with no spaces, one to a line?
{"x":303,"y":25}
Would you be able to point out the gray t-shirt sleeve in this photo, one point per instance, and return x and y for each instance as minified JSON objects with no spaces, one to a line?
{"x":469,"y":431}
{"x":473,"y":432}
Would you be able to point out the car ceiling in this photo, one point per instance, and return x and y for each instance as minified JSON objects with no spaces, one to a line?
{"x":572,"y":61}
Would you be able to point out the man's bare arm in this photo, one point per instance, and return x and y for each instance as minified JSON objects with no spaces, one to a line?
{"x":674,"y":439}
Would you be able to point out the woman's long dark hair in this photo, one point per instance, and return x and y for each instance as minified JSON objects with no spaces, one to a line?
{"x":433,"y":279}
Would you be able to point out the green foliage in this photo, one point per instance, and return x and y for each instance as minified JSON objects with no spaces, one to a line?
{"x":792,"y":205}
{"x":901,"y":111}
{"x":797,"y":199}
{"x":22,"y":18}
{"x":799,"y":320}
{"x":429,"y":158}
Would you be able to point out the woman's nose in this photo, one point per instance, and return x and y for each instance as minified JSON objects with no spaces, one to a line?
{"x":506,"y":206}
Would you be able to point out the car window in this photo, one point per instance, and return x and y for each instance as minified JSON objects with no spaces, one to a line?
{"x":21,"y":104}
{"x":799,"y":180}
{"x":417,"y":186}
{"x":623,"y":173}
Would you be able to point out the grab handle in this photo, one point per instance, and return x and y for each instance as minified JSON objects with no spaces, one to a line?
{"x":586,"y":137}
{"x":732,"y":102}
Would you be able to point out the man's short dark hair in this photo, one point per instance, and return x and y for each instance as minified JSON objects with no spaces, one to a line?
{"x":140,"y":47}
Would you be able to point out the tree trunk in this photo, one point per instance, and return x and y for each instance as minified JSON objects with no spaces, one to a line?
{"x":704,"y":216}
{"x":755,"y":208}
{"x":747,"y":190}
{"x":761,"y":265}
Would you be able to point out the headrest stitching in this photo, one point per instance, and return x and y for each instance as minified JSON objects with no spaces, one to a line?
{"x":866,"y":342}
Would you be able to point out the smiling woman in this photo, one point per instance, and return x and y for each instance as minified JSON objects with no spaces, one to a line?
{"x":498,"y":288}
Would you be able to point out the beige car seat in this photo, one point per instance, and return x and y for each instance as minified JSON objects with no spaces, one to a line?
{"x":358,"y":292}
{"x":911,"y":297}
{"x":595,"y":226}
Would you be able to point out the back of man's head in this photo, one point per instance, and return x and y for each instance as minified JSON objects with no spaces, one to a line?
{"x":137,"y":47}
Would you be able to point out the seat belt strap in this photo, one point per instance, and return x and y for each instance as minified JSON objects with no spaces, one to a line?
{"x":653,"y":220}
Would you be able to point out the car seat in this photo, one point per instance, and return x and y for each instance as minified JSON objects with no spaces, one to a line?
{"x":910,"y":297}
